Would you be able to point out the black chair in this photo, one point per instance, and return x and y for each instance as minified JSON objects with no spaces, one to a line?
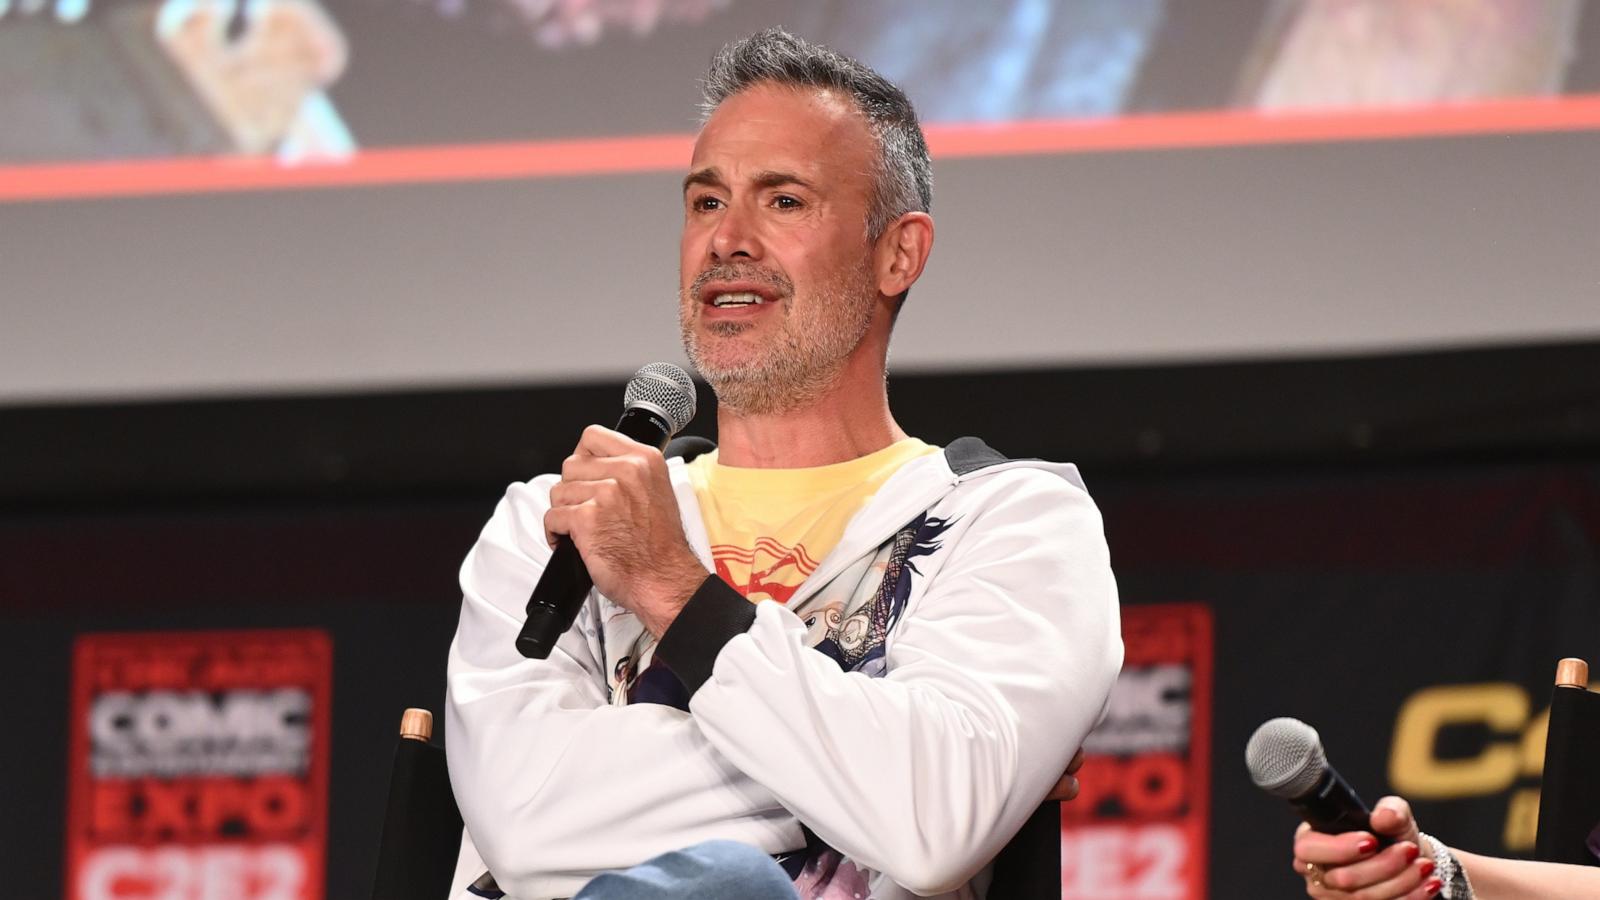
{"x":1029,"y":867}
{"x":1569,"y":796}
{"x":421,"y":824}
{"x":422,"y":831}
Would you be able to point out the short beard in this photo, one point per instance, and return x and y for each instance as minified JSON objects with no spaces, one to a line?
{"x":805,"y":361}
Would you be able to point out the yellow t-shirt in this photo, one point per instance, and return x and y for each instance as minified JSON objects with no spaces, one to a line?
{"x":770,"y":527}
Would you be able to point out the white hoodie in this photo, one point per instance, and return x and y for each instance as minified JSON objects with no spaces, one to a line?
{"x":969,"y":629}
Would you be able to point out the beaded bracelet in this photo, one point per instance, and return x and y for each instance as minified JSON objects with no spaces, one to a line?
{"x":1449,"y":871}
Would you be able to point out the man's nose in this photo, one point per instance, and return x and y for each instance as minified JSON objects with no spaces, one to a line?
{"x":735,"y":236}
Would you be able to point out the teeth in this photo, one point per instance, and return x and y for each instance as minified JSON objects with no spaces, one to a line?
{"x":744,"y":298}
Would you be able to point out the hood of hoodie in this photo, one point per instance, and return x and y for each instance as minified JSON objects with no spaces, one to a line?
{"x":917,"y":486}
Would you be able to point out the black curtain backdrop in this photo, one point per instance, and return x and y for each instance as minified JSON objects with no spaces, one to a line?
{"x":1366,"y":533}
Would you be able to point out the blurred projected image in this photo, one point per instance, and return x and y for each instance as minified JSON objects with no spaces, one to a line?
{"x":169,"y":77}
{"x":999,"y":62}
{"x":966,"y":61}
{"x":303,"y":81}
{"x":511,"y":70}
{"x":1343,"y":53}
{"x":557,"y":23}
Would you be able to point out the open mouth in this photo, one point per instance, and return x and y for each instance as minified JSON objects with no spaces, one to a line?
{"x":736,"y":291}
{"x":736,"y":298}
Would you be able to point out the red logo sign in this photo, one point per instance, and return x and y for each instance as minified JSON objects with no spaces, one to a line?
{"x":1138,"y":828}
{"x":199,"y":766}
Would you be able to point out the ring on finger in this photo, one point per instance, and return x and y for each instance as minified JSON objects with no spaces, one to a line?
{"x":1314,"y":874}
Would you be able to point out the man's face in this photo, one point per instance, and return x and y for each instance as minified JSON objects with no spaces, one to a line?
{"x":776,"y":288}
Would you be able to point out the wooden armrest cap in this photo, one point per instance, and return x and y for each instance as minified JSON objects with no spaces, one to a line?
{"x":417,"y":725}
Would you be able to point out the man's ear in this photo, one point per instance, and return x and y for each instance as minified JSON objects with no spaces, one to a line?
{"x":901,"y":252}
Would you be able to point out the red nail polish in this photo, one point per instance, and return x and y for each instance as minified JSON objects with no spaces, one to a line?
{"x":1411,"y":852}
{"x":1426,"y":868}
{"x":1367,"y":845}
{"x":1432,"y":885}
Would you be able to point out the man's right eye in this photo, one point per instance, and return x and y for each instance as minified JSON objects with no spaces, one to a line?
{"x":705,"y":204}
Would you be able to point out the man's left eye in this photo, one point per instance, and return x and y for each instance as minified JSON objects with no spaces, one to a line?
{"x":786,"y":202}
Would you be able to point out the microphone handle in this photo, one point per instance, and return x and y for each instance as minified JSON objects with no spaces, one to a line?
{"x":559,"y":594}
{"x":1333,"y":807}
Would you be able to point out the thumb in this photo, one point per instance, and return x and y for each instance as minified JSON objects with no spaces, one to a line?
{"x":1392,"y":818}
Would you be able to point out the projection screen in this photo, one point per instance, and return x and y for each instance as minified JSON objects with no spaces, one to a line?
{"x":230,"y":197}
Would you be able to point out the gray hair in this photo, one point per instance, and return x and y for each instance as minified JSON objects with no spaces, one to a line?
{"x":903,"y":181}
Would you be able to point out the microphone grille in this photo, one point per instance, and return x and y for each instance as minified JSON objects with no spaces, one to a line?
{"x":665,"y":387}
{"x":1285,"y":757}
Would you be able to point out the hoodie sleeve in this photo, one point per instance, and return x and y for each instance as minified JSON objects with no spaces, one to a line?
{"x":1002,"y":664}
{"x":554,"y":783}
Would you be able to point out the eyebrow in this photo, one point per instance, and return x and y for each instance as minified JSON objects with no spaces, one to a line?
{"x":712,"y":178}
{"x":708,"y":177}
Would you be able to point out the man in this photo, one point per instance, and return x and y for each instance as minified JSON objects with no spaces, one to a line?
{"x":937,"y":631}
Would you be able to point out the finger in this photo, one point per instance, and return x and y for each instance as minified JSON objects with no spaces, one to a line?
{"x":584,"y":467}
{"x":1391,"y":816}
{"x":1334,"y":849}
{"x":1077,"y":762}
{"x":1318,"y":890}
{"x":1402,"y":885}
{"x":1428,"y":890}
{"x":597,"y":440}
{"x":572,"y":493}
{"x":566,"y":520}
{"x":1392,"y":863}
{"x":600,"y":468}
{"x":1314,"y":889}
{"x":555,"y":524}
{"x":1066,"y":789}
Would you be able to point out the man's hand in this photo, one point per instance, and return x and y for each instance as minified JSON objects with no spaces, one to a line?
{"x":616,"y":503}
{"x":1350,"y":865}
{"x":1067,"y":787}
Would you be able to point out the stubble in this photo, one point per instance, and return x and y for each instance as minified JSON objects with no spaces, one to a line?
{"x":797,"y":364}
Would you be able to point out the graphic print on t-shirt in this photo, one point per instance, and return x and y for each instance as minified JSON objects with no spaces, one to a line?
{"x":768,"y":571}
{"x":769,"y":528}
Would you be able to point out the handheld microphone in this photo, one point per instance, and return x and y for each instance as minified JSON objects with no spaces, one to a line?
{"x":659,"y":401}
{"x":1285,"y":759}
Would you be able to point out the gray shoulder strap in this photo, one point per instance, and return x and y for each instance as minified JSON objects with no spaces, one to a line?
{"x":969,"y":454}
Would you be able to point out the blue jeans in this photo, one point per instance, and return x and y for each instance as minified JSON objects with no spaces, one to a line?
{"x":714,"y":870}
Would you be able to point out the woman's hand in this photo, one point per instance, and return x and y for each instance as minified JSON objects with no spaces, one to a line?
{"x":1351,"y":866}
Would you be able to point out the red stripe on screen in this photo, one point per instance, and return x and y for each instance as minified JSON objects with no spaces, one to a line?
{"x":658,"y":153}
{"x":1220,"y":128}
